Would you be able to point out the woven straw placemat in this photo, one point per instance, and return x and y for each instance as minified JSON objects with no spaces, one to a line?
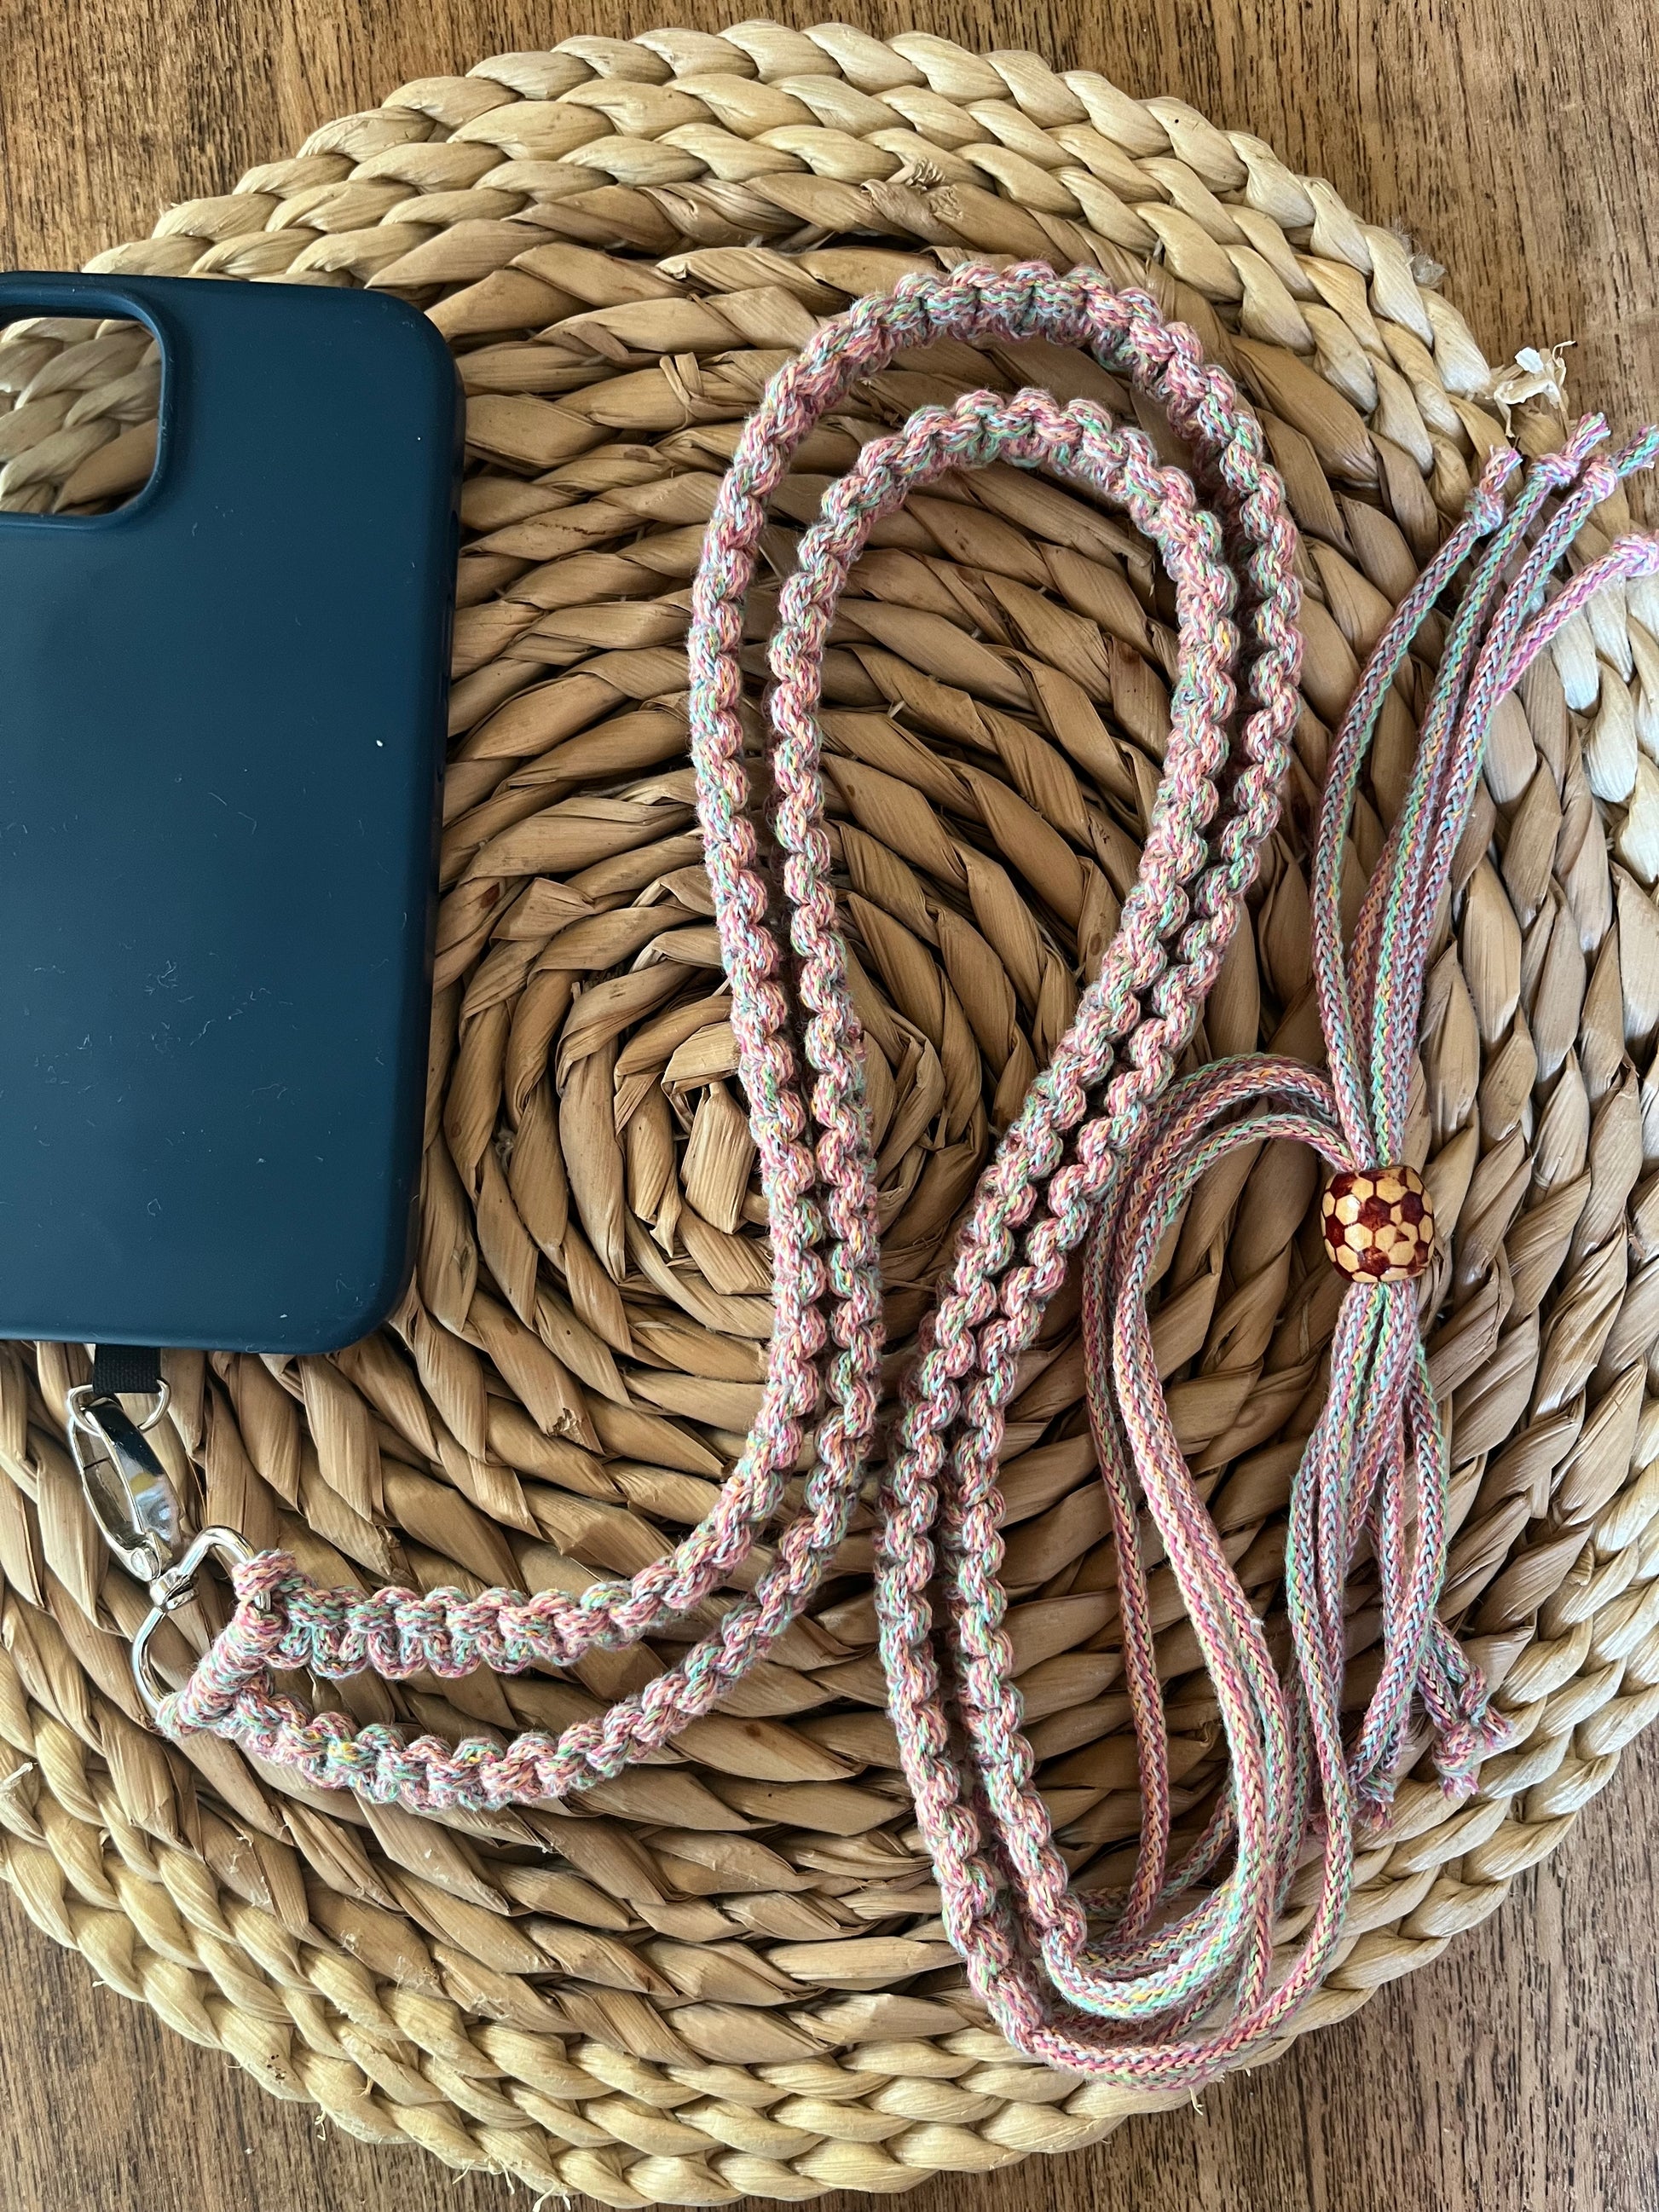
{"x":723,"y":1974}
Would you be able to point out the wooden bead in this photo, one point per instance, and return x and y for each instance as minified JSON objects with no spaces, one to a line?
{"x":1378,"y":1224}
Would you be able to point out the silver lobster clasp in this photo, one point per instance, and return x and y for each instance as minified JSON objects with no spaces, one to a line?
{"x":136,"y":1508}
{"x":129,"y":1490}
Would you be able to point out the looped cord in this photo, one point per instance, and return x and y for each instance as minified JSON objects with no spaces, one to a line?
{"x":1375,"y":1465}
{"x":1163,"y":1997}
{"x":1236,"y":603}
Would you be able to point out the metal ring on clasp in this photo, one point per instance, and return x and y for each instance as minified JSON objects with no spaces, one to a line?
{"x":83,"y":1393}
{"x":174,"y":1588}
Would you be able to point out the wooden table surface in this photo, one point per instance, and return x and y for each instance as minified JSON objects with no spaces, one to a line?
{"x":1518,"y":140}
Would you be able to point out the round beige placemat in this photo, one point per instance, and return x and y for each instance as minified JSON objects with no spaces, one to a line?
{"x":724,"y":1974}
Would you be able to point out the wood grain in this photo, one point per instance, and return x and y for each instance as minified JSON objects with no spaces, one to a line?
{"x":1516,"y":140}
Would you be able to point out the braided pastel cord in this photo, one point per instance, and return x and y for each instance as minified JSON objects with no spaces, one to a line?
{"x":1165,"y":1998}
{"x":814,"y":1151}
{"x":1376,"y":1463}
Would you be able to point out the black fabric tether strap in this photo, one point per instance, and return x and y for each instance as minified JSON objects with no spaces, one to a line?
{"x":131,"y":1368}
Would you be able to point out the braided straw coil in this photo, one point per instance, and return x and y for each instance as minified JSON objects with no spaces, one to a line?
{"x":723,"y":1974}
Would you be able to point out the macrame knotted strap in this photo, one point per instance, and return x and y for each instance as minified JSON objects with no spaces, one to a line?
{"x":1231,"y":563}
{"x":1160,"y":1995}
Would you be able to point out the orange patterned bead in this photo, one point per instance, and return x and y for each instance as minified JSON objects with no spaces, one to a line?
{"x":1378,"y":1224}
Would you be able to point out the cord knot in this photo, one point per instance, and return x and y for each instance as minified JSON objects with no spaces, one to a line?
{"x":256,"y":1580}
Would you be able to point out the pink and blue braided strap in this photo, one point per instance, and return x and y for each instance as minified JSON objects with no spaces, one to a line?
{"x":1178,"y":1977}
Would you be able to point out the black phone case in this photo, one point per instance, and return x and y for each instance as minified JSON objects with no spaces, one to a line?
{"x":221,"y":742}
